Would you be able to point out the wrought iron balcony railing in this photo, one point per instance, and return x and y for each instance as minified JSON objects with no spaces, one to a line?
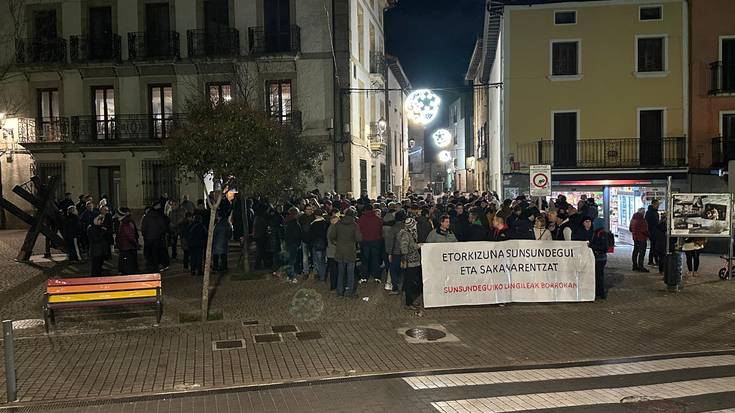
{"x":94,"y":49}
{"x":136,"y":128}
{"x":606,"y":153}
{"x":221,"y":43}
{"x":40,"y":51}
{"x":377,"y":63}
{"x":292,"y":119}
{"x":46,"y":130}
{"x":153,"y":45}
{"x":723,"y":150}
{"x":266,"y":41}
{"x":722,"y":78}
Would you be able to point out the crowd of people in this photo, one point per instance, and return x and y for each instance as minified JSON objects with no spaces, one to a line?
{"x":338,"y":239}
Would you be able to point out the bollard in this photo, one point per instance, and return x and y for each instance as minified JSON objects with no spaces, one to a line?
{"x":9,"y":347}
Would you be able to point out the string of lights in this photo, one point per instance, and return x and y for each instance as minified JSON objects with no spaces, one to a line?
{"x":377,"y":90}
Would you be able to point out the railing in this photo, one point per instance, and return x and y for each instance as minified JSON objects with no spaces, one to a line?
{"x":225,"y":42}
{"x":606,"y":153}
{"x":377,"y":63}
{"x":138,"y":128}
{"x":48,"y":130}
{"x":722,"y":78}
{"x":723,"y":150}
{"x":265,"y":41}
{"x":153,"y":45}
{"x":92,"y":48}
{"x":292,"y":119}
{"x":40,"y":51}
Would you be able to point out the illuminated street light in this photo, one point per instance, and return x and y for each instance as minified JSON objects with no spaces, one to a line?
{"x":442,"y":138}
{"x":445,"y":156}
{"x":422,"y":106}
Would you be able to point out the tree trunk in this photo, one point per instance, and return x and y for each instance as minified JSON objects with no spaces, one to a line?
{"x":208,"y":252}
{"x":245,"y":231}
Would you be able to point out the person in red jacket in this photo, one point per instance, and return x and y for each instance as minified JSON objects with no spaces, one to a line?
{"x":639,"y":229}
{"x":371,"y":228}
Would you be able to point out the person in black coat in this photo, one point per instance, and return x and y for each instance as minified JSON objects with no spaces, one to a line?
{"x":460,"y":222}
{"x":652,"y":219}
{"x":196,"y":238}
{"x":154,"y":228}
{"x":99,"y":247}
{"x":70,"y":231}
{"x":476,"y":230}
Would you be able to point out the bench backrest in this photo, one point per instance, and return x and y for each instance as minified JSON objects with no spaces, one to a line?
{"x":103,"y":284}
{"x":59,"y":282}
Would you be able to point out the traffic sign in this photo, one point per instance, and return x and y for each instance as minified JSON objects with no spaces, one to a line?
{"x":540,"y":176}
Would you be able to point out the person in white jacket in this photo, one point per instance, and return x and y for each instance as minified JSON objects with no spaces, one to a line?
{"x":540,"y":232}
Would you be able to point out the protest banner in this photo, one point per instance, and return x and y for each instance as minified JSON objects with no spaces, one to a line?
{"x":475,"y":273}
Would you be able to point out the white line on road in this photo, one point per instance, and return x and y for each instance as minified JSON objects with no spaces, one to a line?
{"x":592,"y":397}
{"x":521,"y":376}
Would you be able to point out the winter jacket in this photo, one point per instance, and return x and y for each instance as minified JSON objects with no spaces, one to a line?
{"x":260,"y":226}
{"x":175,"y":217}
{"x":196,"y":236}
{"x":331,"y":245}
{"x":651,"y":218}
{"x":221,"y":237}
{"x":423,"y":227}
{"x":599,"y":245}
{"x":581,"y":234}
{"x":127,"y":235}
{"x":499,"y":234}
{"x":459,"y":226}
{"x":71,"y":227}
{"x":292,"y":231}
{"x":542,"y":234}
{"x":98,"y":245}
{"x":390,"y":238}
{"x":87,"y":217}
{"x":346,"y":235}
{"x":371,"y":226}
{"x":153,"y":225}
{"x":183,"y":231}
{"x":318,"y":233}
{"x":305,"y":222}
{"x":522,"y":229}
{"x":475,"y":232}
{"x":409,"y":248}
{"x":639,"y":227}
{"x":439,"y":236}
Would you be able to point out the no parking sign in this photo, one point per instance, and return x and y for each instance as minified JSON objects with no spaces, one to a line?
{"x":540,"y":176}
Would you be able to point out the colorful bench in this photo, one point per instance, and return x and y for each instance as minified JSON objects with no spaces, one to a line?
{"x":101,"y":292}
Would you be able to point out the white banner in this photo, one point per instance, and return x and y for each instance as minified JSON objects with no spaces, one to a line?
{"x":475,"y":273}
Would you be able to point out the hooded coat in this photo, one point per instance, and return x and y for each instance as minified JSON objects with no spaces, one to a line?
{"x":345,"y":236}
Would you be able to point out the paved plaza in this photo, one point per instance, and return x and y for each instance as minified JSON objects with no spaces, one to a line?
{"x":118,"y":354}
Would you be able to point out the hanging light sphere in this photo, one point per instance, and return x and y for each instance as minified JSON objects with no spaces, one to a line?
{"x":445,"y":156}
{"x":442,"y":138}
{"x":422,"y":106}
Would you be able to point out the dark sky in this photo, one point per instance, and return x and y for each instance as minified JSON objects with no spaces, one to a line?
{"x":434,"y":38}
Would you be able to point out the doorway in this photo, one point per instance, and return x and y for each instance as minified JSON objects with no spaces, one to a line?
{"x":106,"y":180}
{"x":651,"y":132}
{"x":157,"y":28}
{"x":277,"y":19}
{"x":100,"y":33}
{"x":565,"y":139}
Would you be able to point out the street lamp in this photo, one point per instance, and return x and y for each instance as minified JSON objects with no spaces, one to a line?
{"x":442,"y":138}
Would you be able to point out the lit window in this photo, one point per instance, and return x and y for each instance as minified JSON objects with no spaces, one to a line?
{"x":220,"y":92}
{"x":279,"y":100}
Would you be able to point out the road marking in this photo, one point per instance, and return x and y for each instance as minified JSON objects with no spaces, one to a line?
{"x":592,"y":397}
{"x":521,"y":376}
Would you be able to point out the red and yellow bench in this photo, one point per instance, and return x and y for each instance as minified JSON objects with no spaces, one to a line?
{"x":101,"y":292}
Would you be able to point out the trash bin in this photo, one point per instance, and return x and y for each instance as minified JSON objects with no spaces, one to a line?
{"x":673,"y":270}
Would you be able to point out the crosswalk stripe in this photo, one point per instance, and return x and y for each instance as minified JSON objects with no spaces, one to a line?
{"x":722,"y":411}
{"x":538,"y":401}
{"x":520,"y":376}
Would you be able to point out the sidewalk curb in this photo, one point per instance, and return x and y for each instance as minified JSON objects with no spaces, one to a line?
{"x":71,"y":403}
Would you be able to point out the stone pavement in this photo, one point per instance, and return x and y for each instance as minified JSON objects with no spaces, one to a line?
{"x":111,"y":354}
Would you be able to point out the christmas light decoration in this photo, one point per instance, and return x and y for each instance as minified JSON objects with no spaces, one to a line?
{"x":442,"y":138}
{"x":422,"y":106}
{"x":445,"y":156}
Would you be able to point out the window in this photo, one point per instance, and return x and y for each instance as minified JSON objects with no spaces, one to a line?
{"x":104,"y":111}
{"x":565,"y":17}
{"x":279,"y":100}
{"x":161,"y":109}
{"x":46,"y":170}
{"x":219,"y":92}
{"x":651,"y":54}
{"x":363,"y":176}
{"x":727,"y":125}
{"x":383,"y":179}
{"x":565,"y":58}
{"x":360,"y":34}
{"x":565,"y":132}
{"x":650,"y":13}
{"x":48,"y":121}
{"x":158,"y":178}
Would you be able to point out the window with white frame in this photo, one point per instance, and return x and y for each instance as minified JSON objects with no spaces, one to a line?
{"x":565,"y":58}
{"x":651,"y":54}
{"x":563,"y":17}
{"x":650,"y":13}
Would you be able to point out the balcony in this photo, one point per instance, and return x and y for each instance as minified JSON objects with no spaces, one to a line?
{"x":606,"y":153}
{"x":222,"y":43}
{"x":123,"y":128}
{"x":153,"y":45}
{"x":723,"y":150}
{"x":292,"y":120}
{"x":377,"y":138}
{"x":722,"y":78}
{"x":94,"y":49}
{"x":377,"y":63}
{"x":262,"y":41}
{"x":40,"y":51}
{"x":49,"y":130}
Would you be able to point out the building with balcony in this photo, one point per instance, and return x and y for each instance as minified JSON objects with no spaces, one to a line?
{"x":712,"y":93}
{"x":596,"y":89}
{"x":459,"y":125}
{"x":99,"y":85}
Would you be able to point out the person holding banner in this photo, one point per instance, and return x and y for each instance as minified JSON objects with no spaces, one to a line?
{"x":411,"y":262}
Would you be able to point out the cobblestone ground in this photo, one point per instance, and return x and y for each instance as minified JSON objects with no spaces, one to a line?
{"x":113,"y":353}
